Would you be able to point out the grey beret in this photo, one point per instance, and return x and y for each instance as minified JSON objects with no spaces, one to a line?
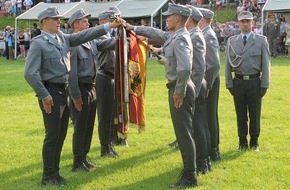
{"x":50,"y":12}
{"x":79,"y":14}
{"x":177,"y":9}
{"x":115,"y":9}
{"x":206,"y":13}
{"x":105,"y":14}
{"x":195,"y":13}
{"x":245,"y":15}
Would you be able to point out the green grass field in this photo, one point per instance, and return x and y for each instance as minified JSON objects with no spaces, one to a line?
{"x":147,"y":163}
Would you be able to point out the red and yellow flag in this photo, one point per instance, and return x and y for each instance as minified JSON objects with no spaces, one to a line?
{"x":137,"y":80}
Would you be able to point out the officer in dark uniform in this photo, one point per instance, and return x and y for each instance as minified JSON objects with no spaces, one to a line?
{"x":105,"y":93}
{"x":46,"y":70}
{"x":212,"y":78}
{"x":177,"y":48}
{"x":248,"y":56}
{"x":201,"y":131}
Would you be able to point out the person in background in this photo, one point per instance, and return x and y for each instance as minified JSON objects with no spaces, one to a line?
{"x":6,"y":34}
{"x":21,"y":43}
{"x":272,"y":31}
{"x":27,"y":38}
{"x":35,"y":31}
{"x":248,"y":57}
{"x":287,"y":39}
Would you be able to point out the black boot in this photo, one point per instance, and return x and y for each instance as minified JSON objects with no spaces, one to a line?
{"x":79,"y":166}
{"x":187,"y":179}
{"x":50,"y":179}
{"x":201,"y":166}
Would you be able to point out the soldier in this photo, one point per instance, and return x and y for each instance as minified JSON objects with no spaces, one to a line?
{"x":83,"y":101}
{"x":212,"y":78}
{"x":272,"y":31}
{"x":248,"y":57}
{"x":177,"y":48}
{"x":105,"y":93}
{"x":201,"y":131}
{"x":46,"y":70}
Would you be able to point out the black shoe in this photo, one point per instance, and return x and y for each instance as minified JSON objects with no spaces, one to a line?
{"x":88,"y":163}
{"x":80,"y":167}
{"x":51,"y":181}
{"x":122,"y":142}
{"x":109,"y":151}
{"x":215,"y":154}
{"x":201,"y":166}
{"x":186,"y":180}
{"x":60,"y":179}
{"x":173,"y":144}
{"x":243,"y":147}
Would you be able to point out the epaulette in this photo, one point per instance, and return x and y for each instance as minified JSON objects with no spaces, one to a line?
{"x":260,"y":36}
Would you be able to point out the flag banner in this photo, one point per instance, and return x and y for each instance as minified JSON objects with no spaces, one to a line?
{"x":121,"y":83}
{"x":137,"y":79}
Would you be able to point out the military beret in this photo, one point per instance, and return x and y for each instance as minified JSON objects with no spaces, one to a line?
{"x":245,"y":15}
{"x":177,"y":9}
{"x":116,"y":10}
{"x":50,"y":12}
{"x":79,"y":14}
{"x":206,"y":13}
{"x":105,"y":14}
{"x":195,"y":13}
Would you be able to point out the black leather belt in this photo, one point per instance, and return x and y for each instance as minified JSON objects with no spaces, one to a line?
{"x":87,"y":85}
{"x":247,"y":77}
{"x":171,"y":84}
{"x":55,"y":85}
{"x":109,"y":74}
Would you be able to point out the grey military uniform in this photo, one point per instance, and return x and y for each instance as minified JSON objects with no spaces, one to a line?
{"x":248,"y":63}
{"x":46,"y":70}
{"x":49,"y":59}
{"x":198,"y":61}
{"x":177,"y":48}
{"x":212,"y":78}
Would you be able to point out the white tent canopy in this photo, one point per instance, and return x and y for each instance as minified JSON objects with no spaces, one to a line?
{"x":277,"y":6}
{"x":128,"y":8}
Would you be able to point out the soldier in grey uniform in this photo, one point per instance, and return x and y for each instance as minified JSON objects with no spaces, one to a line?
{"x":272,"y":31}
{"x":105,"y":93}
{"x":46,"y":70}
{"x":82,"y":90}
{"x":212,"y":78}
{"x":248,"y":56}
{"x":177,"y":49}
{"x":201,"y":131}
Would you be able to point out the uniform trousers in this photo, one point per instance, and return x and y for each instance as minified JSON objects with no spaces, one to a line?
{"x":182,"y":124}
{"x":84,"y":122}
{"x":55,"y":124}
{"x":212,"y":113}
{"x":247,"y":101}
{"x":273,"y":46}
{"x":105,"y":109}
{"x":200,"y":127}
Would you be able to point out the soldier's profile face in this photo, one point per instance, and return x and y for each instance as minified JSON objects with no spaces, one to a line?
{"x":51,"y":24}
{"x":170,"y":22}
{"x":245,"y":25}
{"x":83,"y":24}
